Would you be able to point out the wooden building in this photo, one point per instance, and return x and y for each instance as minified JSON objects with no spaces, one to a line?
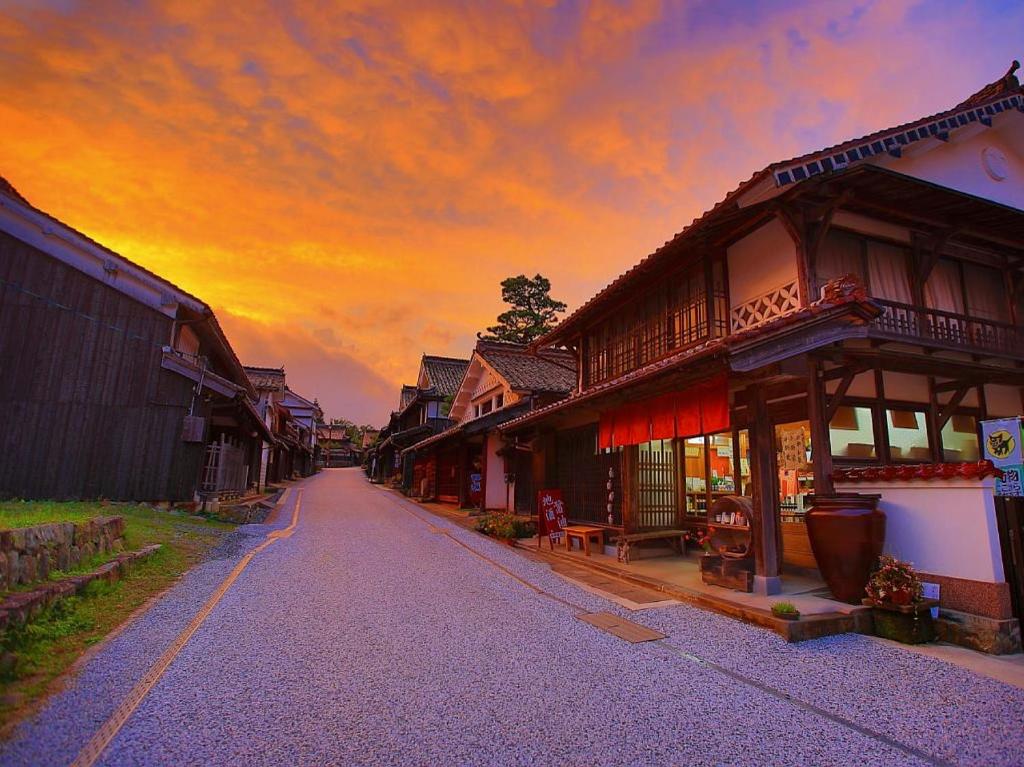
{"x":116,"y":383}
{"x":337,"y":449}
{"x":290,"y":419}
{"x":422,"y":411}
{"x":856,"y":307}
{"x":467,"y":463}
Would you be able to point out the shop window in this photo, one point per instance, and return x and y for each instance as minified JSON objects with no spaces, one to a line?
{"x":742,"y":461}
{"x":852,"y":433}
{"x":908,"y":435}
{"x":960,"y":439}
{"x":796,"y":474}
{"x":723,"y":480}
{"x":696,"y":482}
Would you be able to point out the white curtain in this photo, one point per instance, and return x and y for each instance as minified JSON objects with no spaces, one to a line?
{"x":986,"y":293}
{"x":942,"y":291}
{"x":887,"y":272}
{"x":839,"y":255}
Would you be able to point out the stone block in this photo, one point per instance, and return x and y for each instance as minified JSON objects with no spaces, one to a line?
{"x":29,"y":569}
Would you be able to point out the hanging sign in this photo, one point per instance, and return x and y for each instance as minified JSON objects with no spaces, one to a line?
{"x":550,"y":516}
{"x":794,"y":450}
{"x":1001,"y":443}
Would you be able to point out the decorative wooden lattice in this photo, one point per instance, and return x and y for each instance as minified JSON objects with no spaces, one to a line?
{"x":774,"y":303}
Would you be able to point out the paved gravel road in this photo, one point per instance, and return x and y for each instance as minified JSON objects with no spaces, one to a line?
{"x":372,"y":637}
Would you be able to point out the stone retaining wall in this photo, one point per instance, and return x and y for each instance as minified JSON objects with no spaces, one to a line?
{"x":30,"y":554}
{"x":22,"y":606}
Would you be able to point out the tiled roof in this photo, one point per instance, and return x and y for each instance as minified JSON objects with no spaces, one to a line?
{"x":445,"y":373}
{"x":987,"y":101}
{"x":7,"y":188}
{"x":265,"y":378}
{"x":408,"y":395}
{"x":549,"y":370}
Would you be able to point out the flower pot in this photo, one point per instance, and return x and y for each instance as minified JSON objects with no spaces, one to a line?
{"x":786,"y":616}
{"x":909,"y":624}
{"x":846,"y":532}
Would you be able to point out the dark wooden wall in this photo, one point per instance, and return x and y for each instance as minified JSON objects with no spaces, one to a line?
{"x":86,"y":410}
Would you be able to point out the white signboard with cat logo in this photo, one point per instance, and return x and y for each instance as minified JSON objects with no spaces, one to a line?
{"x":1001,"y":444}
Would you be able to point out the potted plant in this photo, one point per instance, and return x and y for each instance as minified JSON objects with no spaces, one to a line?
{"x":786,"y":611}
{"x":900,"y":611}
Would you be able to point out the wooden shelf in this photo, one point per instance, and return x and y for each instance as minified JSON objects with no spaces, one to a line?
{"x":724,"y":526}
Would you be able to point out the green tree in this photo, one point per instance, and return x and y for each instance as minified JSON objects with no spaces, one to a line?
{"x":533,"y":311}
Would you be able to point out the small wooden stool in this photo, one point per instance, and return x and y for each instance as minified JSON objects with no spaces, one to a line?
{"x":585,"y":533}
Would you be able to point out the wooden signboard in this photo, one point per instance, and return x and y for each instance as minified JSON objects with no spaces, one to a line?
{"x":550,"y":516}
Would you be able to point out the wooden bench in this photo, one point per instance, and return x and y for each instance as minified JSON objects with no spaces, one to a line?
{"x":584,"y":533}
{"x":626,"y":540}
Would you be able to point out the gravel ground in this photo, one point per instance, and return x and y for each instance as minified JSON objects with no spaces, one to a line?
{"x":370,"y":637}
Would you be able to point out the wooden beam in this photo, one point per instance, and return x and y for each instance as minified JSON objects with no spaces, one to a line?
{"x":948,"y":409}
{"x":833,"y":402}
{"x":924,"y":269}
{"x":793,"y":221}
{"x":820,"y":416}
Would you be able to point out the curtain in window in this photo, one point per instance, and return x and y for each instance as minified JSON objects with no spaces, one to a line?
{"x":986,"y":293}
{"x":942,"y":291}
{"x":887,"y":272}
{"x":839,"y":255}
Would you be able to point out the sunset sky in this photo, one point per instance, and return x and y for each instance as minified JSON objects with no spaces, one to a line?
{"x":347,"y":183}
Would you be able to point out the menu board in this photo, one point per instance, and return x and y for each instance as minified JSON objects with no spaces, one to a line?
{"x":550,"y":516}
{"x":793,"y":449}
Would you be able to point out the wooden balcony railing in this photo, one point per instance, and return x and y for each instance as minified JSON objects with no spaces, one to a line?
{"x":947,"y":329}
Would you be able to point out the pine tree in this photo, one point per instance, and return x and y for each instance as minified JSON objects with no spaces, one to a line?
{"x":533,"y":312}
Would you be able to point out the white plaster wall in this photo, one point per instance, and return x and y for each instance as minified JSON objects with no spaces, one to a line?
{"x":863,"y":385}
{"x":958,"y":164}
{"x":1002,"y":401}
{"x":494,"y":482}
{"x":944,"y":527}
{"x":763,"y":260}
{"x":905,"y":386}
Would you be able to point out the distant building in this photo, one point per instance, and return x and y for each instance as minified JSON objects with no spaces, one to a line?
{"x":291,"y":420}
{"x":422,"y":411}
{"x":469,"y":463}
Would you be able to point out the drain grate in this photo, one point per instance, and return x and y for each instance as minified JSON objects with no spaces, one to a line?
{"x":620,"y":627}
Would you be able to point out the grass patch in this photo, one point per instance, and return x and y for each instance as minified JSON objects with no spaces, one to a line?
{"x":33,"y":656}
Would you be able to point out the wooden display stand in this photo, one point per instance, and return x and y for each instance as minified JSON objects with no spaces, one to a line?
{"x":732,"y":566}
{"x":738,"y":574}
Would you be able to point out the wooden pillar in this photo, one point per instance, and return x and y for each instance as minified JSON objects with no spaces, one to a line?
{"x":679,"y":454}
{"x":630,"y":487}
{"x":461,"y":474}
{"x":821,"y":439}
{"x":765,"y":525}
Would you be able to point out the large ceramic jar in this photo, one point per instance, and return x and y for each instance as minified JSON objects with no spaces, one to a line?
{"x":847,"y":532}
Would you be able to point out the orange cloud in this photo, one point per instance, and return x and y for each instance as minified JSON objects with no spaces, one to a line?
{"x":350,"y":184}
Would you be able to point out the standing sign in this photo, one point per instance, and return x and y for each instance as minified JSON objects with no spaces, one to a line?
{"x":550,"y":516}
{"x":1001,"y":443}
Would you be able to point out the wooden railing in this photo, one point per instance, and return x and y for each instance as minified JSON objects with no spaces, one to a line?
{"x":948,"y":329}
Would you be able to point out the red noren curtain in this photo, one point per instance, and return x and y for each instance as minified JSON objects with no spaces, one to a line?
{"x":663,"y":416}
{"x":714,"y":405}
